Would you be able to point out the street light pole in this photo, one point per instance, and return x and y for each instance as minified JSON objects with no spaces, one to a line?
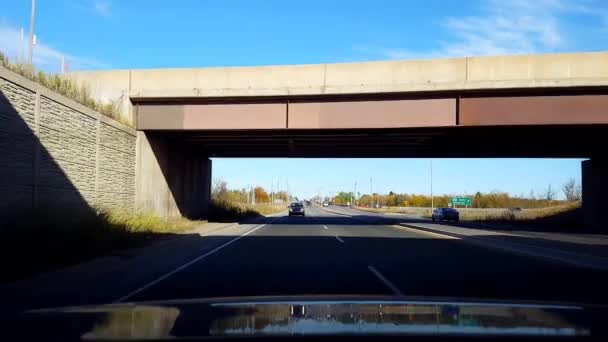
{"x":31,"y":46}
{"x":432,"y":203}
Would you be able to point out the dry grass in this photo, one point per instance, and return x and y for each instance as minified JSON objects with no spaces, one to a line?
{"x":563,"y":216}
{"x":149,"y":223}
{"x":267,"y":209}
{"x":228,"y":211}
{"x":47,"y":239}
{"x":65,"y":87}
{"x":549,"y":214}
{"x":400,"y":210}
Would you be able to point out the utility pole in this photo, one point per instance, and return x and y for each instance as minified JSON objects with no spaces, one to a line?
{"x":22,"y":47}
{"x":432,"y":203}
{"x":371,"y":191}
{"x":31,"y":47}
{"x":355,"y":195}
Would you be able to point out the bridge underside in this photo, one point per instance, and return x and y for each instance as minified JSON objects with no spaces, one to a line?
{"x":556,"y":141}
{"x":177,"y":137}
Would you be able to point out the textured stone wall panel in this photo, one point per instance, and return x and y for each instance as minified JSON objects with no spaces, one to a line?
{"x":72,"y":171}
{"x":118,"y":182}
{"x":17,"y":147}
{"x":111,"y":159}
{"x":65,"y":174}
{"x":65,"y":147}
{"x":110,"y":200}
{"x":62,"y":118}
{"x":17,"y":99}
{"x":16,"y":158}
{"x":65,"y":199}
{"x":15,"y":198}
{"x":116,"y":139}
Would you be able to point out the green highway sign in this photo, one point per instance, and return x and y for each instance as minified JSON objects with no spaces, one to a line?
{"x":461,"y":201}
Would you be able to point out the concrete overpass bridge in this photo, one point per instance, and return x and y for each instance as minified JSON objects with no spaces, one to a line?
{"x":553,"y":105}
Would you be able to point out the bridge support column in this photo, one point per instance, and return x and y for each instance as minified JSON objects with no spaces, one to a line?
{"x":595,"y":192}
{"x":171,"y":179}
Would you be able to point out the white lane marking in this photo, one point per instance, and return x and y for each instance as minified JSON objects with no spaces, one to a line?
{"x":325,"y":227}
{"x":180,"y":268}
{"x":424,"y":232}
{"x":385,"y":281}
{"x":341,"y":241}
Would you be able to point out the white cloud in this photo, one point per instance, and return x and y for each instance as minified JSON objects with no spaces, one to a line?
{"x":102,"y":7}
{"x":511,"y":27}
{"x":44,"y":56}
{"x":506,"y":27}
{"x":99,"y":7}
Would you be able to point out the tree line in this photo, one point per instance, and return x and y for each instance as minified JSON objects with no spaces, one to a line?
{"x":257,"y":194}
{"x":495,"y":199}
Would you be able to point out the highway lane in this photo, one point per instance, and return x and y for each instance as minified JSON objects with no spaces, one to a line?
{"x":325,"y":253}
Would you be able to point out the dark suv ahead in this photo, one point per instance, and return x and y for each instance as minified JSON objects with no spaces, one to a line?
{"x":296,"y":208}
{"x":447,"y":214}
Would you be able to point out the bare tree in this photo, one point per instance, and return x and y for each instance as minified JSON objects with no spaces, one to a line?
{"x":572,"y":191}
{"x":219,"y":188}
{"x":549,"y":194}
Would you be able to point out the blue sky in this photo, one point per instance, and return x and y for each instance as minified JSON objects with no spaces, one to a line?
{"x":112,"y":34}
{"x":309,"y":177}
{"x":97,"y":34}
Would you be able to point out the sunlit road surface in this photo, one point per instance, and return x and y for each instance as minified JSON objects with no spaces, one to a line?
{"x":326,"y":253}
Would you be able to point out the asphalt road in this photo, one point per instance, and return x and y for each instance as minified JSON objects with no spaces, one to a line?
{"x":326,"y":253}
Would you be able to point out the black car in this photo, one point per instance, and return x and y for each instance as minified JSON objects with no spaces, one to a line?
{"x":445,"y":214}
{"x":307,"y":318}
{"x":296,"y":208}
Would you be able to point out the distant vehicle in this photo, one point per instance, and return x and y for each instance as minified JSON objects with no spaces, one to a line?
{"x":325,"y":204}
{"x":296,"y":208}
{"x":445,"y":214}
{"x":515,"y":209}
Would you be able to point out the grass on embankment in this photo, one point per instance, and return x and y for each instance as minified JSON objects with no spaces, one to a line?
{"x":34,"y":242}
{"x":562,"y":217}
{"x":567,"y":216}
{"x":227,"y":211}
{"x":65,"y":87}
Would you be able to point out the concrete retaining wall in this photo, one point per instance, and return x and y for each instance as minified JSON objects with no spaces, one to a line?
{"x":173,"y":180}
{"x":56,"y":152}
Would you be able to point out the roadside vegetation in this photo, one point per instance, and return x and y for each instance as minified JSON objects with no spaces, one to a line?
{"x":63,"y":86}
{"x":567,"y":216}
{"x":228,"y":205}
{"x":496,"y":199}
{"x":45,"y":239}
{"x":542,"y":210}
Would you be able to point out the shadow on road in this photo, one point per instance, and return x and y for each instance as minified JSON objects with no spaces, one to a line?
{"x":295,"y":261}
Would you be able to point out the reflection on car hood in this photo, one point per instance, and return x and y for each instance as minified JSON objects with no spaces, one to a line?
{"x":309,"y":316}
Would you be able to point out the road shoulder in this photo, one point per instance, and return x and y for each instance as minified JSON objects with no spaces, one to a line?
{"x":110,"y":277}
{"x":510,"y":243}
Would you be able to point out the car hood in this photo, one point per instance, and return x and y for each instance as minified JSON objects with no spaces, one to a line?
{"x":288,"y":316}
